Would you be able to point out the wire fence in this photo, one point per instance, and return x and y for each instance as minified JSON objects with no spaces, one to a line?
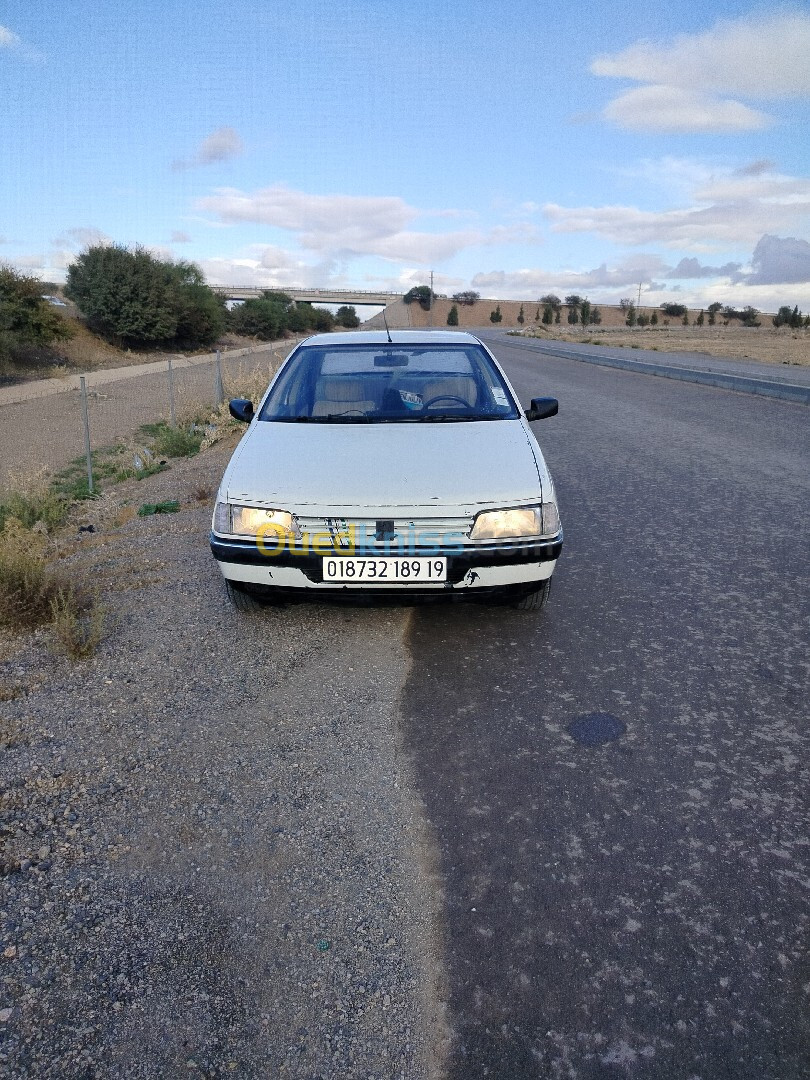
{"x":48,"y":425}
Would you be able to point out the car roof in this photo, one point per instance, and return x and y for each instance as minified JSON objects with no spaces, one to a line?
{"x":397,"y":337}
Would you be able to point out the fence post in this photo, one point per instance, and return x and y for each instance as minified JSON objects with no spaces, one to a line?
{"x":86,"y":421}
{"x":172,"y":412}
{"x":219,"y":390}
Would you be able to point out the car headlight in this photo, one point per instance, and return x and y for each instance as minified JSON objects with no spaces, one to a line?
{"x":253,"y":521}
{"x":528,"y":521}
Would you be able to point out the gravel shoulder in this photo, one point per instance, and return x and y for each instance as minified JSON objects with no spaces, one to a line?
{"x":213,"y":859}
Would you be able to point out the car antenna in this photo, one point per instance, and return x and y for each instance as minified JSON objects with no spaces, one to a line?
{"x":390,"y":339}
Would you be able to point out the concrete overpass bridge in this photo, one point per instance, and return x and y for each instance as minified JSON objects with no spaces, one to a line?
{"x":350,"y":297}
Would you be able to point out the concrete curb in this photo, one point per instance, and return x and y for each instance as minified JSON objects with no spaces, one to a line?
{"x":745,"y":384}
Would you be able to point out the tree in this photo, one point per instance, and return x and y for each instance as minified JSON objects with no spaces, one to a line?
{"x":674,"y":311}
{"x":537,"y":314}
{"x":201,"y":316}
{"x":261,"y":318}
{"x":521,"y":317}
{"x":585,"y":311}
{"x":551,"y":300}
{"x":631,"y":315}
{"x":452,"y":316}
{"x":26,"y":320}
{"x":277,"y":297}
{"x":137,"y":299}
{"x":700,"y":319}
{"x":596,"y":316}
{"x":496,"y":316}
{"x":713,"y":309}
{"x":548,"y":315}
{"x":654,"y":319}
{"x":467,"y":297}
{"x":422,"y":294}
{"x":573,"y":302}
{"x":303,"y":316}
{"x":347,"y":316}
{"x":788,"y":317}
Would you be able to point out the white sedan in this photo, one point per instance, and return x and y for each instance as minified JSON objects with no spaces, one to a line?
{"x":388,"y":464}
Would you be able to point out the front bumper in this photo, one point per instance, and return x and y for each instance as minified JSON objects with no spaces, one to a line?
{"x":470,"y":568}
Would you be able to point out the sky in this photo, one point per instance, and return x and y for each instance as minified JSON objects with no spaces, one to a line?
{"x":516,"y":149}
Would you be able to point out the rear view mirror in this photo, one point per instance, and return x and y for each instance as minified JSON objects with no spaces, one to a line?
{"x":241,"y":409}
{"x":542,"y":407}
{"x":391,"y":359}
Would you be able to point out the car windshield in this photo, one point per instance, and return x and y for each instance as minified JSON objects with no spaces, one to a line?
{"x":373,"y":384}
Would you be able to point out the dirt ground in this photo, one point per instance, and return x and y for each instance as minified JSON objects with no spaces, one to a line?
{"x":768,"y":345}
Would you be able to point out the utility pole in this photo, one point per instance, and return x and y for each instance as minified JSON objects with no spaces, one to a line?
{"x":638,"y":302}
{"x":430,"y":301}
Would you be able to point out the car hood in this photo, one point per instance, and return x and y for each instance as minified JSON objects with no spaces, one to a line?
{"x":288,"y":465}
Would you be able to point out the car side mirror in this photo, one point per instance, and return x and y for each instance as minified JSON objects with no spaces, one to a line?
{"x":542,"y":407}
{"x":242,"y":409}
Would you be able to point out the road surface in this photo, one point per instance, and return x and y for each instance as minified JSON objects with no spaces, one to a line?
{"x":618,"y":787}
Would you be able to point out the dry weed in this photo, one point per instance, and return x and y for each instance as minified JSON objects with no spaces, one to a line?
{"x":79,"y":624}
{"x":27,"y":585}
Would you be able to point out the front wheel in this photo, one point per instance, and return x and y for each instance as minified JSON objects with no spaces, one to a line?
{"x":241,"y":599}
{"x":535,"y":600}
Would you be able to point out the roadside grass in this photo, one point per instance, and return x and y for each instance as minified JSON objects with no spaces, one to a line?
{"x":79,"y":622}
{"x":42,"y":504}
{"x":250,"y":385}
{"x":33,"y":592}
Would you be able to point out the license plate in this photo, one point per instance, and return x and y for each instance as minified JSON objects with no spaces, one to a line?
{"x":385,"y":570}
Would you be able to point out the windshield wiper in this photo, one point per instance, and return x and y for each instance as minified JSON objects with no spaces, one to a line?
{"x":329,"y":418}
{"x":445,"y":418}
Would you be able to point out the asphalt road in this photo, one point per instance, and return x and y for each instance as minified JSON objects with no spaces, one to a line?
{"x":619,"y":786}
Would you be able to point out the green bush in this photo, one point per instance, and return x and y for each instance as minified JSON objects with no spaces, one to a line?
{"x":135,"y":299}
{"x":168,"y":441}
{"x":452,"y":316}
{"x":45,"y":505}
{"x":26,"y":320}
{"x":261,"y":318}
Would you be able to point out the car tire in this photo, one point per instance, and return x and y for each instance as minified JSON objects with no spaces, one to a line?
{"x":535,"y":600}
{"x":241,"y":599}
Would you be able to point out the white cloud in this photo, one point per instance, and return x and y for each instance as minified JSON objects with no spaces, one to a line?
{"x":221,"y":145}
{"x":762,"y":186}
{"x":671,"y":108}
{"x":299,"y":211}
{"x":780,"y":260}
{"x":754,"y":57}
{"x":727,"y":210}
{"x":8,"y":39}
{"x":692,"y":269}
{"x":267,"y":266}
{"x":687,"y":80}
{"x":528,"y":284}
{"x":180,"y":237}
{"x":81,"y":238}
{"x":345,"y":225}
